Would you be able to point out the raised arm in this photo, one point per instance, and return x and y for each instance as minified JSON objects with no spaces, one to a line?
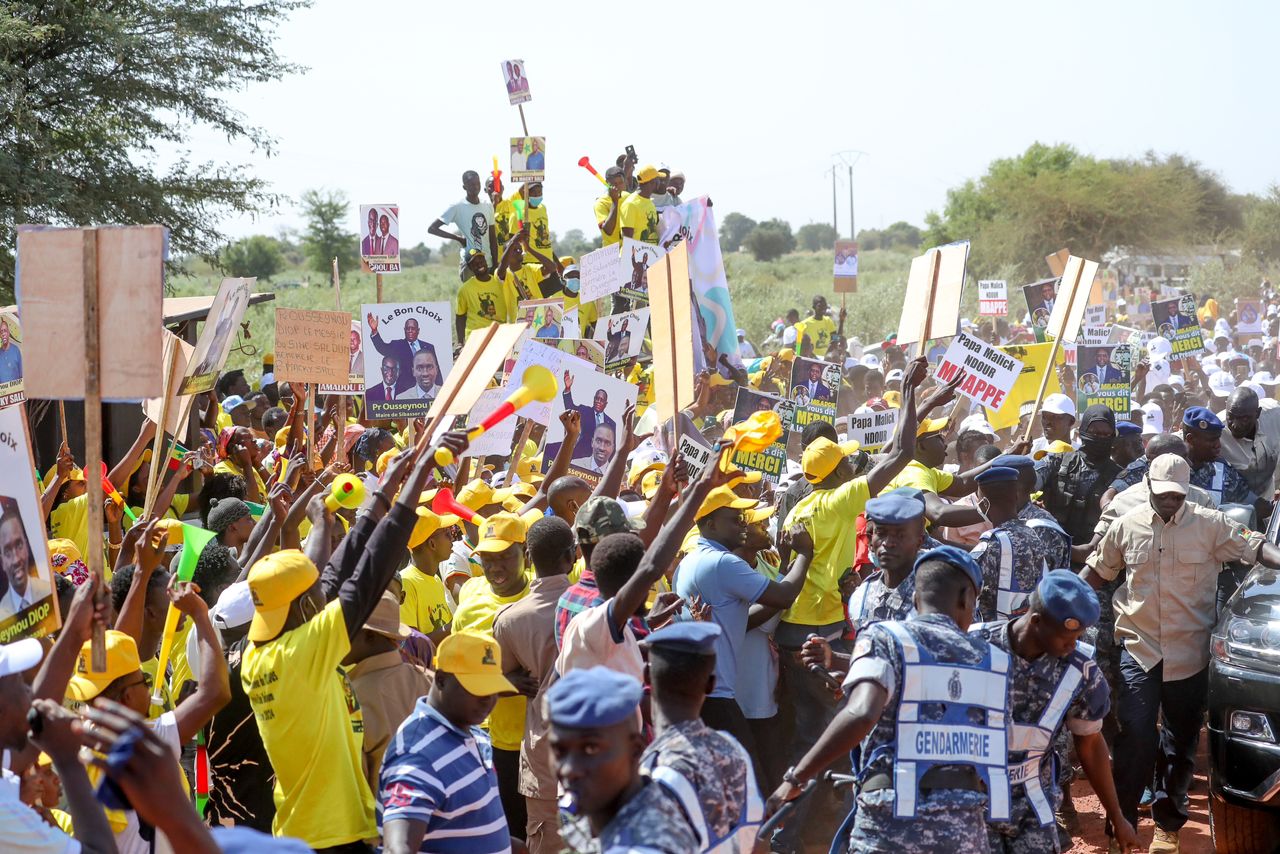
{"x":905,"y":436}
{"x":133,"y":456}
{"x":146,"y":560}
{"x":213,"y":690}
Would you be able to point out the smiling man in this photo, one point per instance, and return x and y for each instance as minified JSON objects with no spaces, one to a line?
{"x":426,"y":377}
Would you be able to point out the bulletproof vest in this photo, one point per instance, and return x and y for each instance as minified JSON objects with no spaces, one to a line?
{"x":1011,"y":599}
{"x":1075,"y":503}
{"x":965,"y":693}
{"x":742,"y":836}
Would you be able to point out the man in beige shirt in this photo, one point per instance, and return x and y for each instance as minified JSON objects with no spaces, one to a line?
{"x":1171,"y":552}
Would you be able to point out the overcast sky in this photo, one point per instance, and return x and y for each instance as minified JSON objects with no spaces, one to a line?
{"x":752,"y":99}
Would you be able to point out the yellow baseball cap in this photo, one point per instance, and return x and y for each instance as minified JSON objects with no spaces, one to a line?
{"x":475,"y":659}
{"x":931,"y":425}
{"x":822,"y":456}
{"x":172,"y":529}
{"x":647,"y":173}
{"x":760,"y":514}
{"x":721,"y":497}
{"x":529,"y":469}
{"x":893,"y":398}
{"x":428,"y":523}
{"x":384,"y":459}
{"x":62,"y":547}
{"x":478,"y":494}
{"x":524,"y":490}
{"x":500,"y":532}
{"x":77,"y":474}
{"x":282,"y":436}
{"x":274,"y":582}
{"x":1055,"y":447}
{"x":649,"y":484}
{"x":787,"y":354}
{"x":122,"y":659}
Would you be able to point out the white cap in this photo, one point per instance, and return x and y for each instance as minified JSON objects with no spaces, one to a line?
{"x":1221,"y":383}
{"x":895,"y":374}
{"x":1059,"y":404}
{"x":1157,"y":372}
{"x":1159,"y":346}
{"x":20,"y":656}
{"x":1177,"y":381}
{"x":1209,"y":346}
{"x":267,"y":379}
{"x":1256,"y":388}
{"x":870,"y":360}
{"x":1208,"y":362}
{"x":1264,"y":378}
{"x":966,"y":323}
{"x":849,"y":362}
{"x":1254,"y":342}
{"x":234,"y":607}
{"x":977,"y":422}
{"x":1120,"y":303}
{"x":1152,"y":419}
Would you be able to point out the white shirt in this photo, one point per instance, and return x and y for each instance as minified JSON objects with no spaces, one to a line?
{"x":129,"y":840}
{"x":25,"y":832}
{"x":589,"y":641}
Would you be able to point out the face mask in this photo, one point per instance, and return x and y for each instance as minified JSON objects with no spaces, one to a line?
{"x":571,"y":285}
{"x":535,"y":201}
{"x":1095,"y":447}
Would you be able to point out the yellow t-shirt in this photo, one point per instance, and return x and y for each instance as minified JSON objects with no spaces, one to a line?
{"x":639,"y":213}
{"x":503,"y":217}
{"x":828,"y":515}
{"x":64,"y":821}
{"x":525,"y":282}
{"x":312,"y":729}
{"x":485,"y":302}
{"x":228,"y":467}
{"x":539,"y":228}
{"x":70,"y":520}
{"x":176,"y":510}
{"x":817,"y":330}
{"x":917,"y":475}
{"x":477,"y":606}
{"x":603,"y":205}
{"x":424,"y":607}
{"x":222,"y":421}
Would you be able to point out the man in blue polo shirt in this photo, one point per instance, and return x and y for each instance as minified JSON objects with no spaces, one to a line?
{"x":430,"y":797}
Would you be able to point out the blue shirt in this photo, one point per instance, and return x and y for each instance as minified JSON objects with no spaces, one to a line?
{"x":729,"y":585}
{"x":438,"y":774}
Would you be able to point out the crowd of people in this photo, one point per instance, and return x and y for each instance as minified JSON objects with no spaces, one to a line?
{"x":913,"y":649}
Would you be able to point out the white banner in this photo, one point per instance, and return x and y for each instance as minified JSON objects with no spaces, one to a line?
{"x":992,"y":372}
{"x":872,"y":430}
{"x":993,"y":298}
{"x":696,"y":222}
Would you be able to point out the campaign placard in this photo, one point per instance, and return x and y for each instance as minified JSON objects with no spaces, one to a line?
{"x":1175,"y":320}
{"x":637,"y":258}
{"x":623,"y":336}
{"x":354,"y":386}
{"x":216,"y":336}
{"x":1249,"y":317}
{"x":872,"y":429}
{"x":312,"y":346}
{"x":993,"y":297}
{"x":544,"y":316}
{"x":1040,"y":297}
{"x":1104,"y":376}
{"x":845,"y":269}
{"x":517,"y":84}
{"x":815,"y":385}
{"x":528,"y":159}
{"x":601,"y":273}
{"x":991,"y":371}
{"x":583,"y":348}
{"x":529,"y":353}
{"x":498,"y":440}
{"x":772,"y":461}
{"x":10,"y":360}
{"x":28,"y":605}
{"x":600,"y":401}
{"x":696,"y":456}
{"x":409,"y":352}
{"x":380,"y":238}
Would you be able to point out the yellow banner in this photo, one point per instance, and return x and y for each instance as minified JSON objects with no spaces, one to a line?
{"x":1033,"y":358}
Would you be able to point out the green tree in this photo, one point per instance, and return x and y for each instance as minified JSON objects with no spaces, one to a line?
{"x":417,"y":256}
{"x":816,"y":236}
{"x":733,"y":230}
{"x":1261,"y":233}
{"x":325,"y":239}
{"x":259,"y":256}
{"x":91,"y":90}
{"x":573,"y":243}
{"x":770,"y":240}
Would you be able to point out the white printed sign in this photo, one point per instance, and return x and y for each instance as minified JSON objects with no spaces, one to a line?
{"x":992,"y":372}
{"x":1095,"y":315}
{"x":993,"y":298}
{"x":696,"y":456}
{"x":498,"y":440}
{"x":602,"y":273}
{"x":872,"y":430}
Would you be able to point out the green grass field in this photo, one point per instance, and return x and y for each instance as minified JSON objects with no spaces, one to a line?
{"x":761,"y":292}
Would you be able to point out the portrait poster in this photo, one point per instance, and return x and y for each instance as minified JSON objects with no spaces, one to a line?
{"x":1249,"y":317}
{"x":217,"y":335}
{"x":380,"y":238}
{"x":10,"y":360}
{"x":637,"y":258}
{"x":408,"y":350}
{"x":599,"y":401}
{"x":815,"y":385}
{"x":544,"y":316}
{"x":1175,"y":320}
{"x":545,"y":353}
{"x":28,"y":604}
{"x":623,"y":336}
{"x":517,"y":84}
{"x":528,"y":159}
{"x":772,"y":461}
{"x":601,"y":273}
{"x":845,"y":269}
{"x":1040,"y":297}
{"x":1104,"y":376}
{"x":584,"y":348}
{"x":354,"y":385}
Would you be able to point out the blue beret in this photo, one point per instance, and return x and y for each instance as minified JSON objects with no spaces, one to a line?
{"x":1014,"y":461}
{"x":1068,"y":599}
{"x":997,"y":474}
{"x":894,"y":509}
{"x":956,"y":557}
{"x":1127,"y":428}
{"x":692,"y":636}
{"x":593,"y":697}
{"x":909,"y":491}
{"x":1199,"y":418}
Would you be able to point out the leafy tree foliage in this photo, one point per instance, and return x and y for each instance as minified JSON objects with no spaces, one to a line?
{"x":417,"y":256}
{"x":734,"y":229}
{"x":816,"y":236}
{"x":259,"y":256}
{"x":573,"y":243}
{"x":325,"y":239}
{"x":770,"y":240}
{"x":900,"y":234}
{"x":91,"y":90}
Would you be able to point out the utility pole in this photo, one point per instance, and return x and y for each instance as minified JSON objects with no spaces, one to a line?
{"x":849,"y":158}
{"x":834,"y":224}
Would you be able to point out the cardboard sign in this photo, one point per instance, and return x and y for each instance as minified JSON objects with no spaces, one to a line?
{"x":312,"y":346}
{"x":28,"y":604}
{"x":544,"y":316}
{"x":51,"y":288}
{"x":772,"y":461}
{"x":1095,"y":336}
{"x":484,"y":352}
{"x":217,"y":335}
{"x":380,"y":238}
{"x":845,"y":270}
{"x":696,"y":456}
{"x":517,"y":84}
{"x":672,"y":327}
{"x":599,"y":401}
{"x":871,"y":429}
{"x":1041,"y":297}
{"x":547,"y":354}
{"x":992,"y":372}
{"x":942,"y":271}
{"x":528,"y":159}
{"x":1095,"y":315}
{"x":1104,"y":376}
{"x":1034,"y":358}
{"x":1175,"y":320}
{"x":637,"y":258}
{"x":993,"y":298}
{"x":1068,"y":311}
{"x":623,"y":335}
{"x":1058,"y":262}
{"x":498,"y":440}
{"x":180,"y":405}
{"x":1250,"y":315}
{"x":354,"y":385}
{"x":10,"y":360}
{"x":410,"y":352}
{"x":601,"y":273}
{"x":815,"y":385}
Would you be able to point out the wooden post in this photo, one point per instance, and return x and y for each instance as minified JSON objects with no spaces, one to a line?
{"x":310,"y":403}
{"x":1049,"y":367}
{"x":425,"y":439}
{"x":93,"y":441}
{"x":675,"y":374}
{"x":157,"y":447}
{"x":523,"y":124}
{"x":518,"y":449}
{"x":935,"y":267}
{"x":340,"y":422}
{"x":62,"y":420}
{"x":377,"y":280}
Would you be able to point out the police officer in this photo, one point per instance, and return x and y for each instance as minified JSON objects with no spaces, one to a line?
{"x":1012,"y":556}
{"x":947,"y":749}
{"x":595,"y":738}
{"x":706,"y":769}
{"x":1053,"y":685}
{"x":1073,"y":483}
{"x":1128,"y":446}
{"x":1037,"y":518}
{"x":1202,"y":431}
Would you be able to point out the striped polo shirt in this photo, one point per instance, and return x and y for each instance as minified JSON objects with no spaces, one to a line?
{"x":443,"y":776}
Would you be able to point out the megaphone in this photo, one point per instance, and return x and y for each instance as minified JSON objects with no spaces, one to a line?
{"x":537,"y":383}
{"x":585,"y":163}
{"x":444,"y":504}
{"x":114,"y":494}
{"x":347,"y":492}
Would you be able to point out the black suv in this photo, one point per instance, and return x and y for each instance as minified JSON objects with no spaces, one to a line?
{"x":1244,"y":716}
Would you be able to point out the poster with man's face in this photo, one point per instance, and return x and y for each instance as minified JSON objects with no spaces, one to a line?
{"x":1103,"y":376}
{"x":623,"y":336}
{"x":380,"y":238}
{"x":28,"y":606}
{"x":814,"y":387}
{"x":355,"y":376}
{"x":408,"y":350}
{"x":517,"y":84}
{"x":772,"y":461}
{"x":1175,"y":320}
{"x":544,"y":316}
{"x":638,"y":257}
{"x":1040,"y":298}
{"x":599,"y":401}
{"x":217,"y":335}
{"x":10,"y":360}
{"x":583,"y":348}
{"x":529,"y":159}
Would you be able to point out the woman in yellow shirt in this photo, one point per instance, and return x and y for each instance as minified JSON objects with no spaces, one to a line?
{"x":239,"y":456}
